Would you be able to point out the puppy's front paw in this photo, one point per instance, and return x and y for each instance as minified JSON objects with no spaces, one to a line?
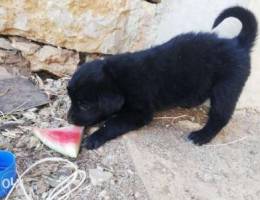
{"x":200,"y":137}
{"x":94,"y":141}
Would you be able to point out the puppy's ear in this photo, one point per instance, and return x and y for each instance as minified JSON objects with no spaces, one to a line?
{"x":111,"y":103}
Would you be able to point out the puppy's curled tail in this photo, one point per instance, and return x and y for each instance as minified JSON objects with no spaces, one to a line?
{"x":247,"y":36}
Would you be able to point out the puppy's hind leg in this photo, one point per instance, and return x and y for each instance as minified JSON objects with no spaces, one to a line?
{"x":223,"y":101}
{"x":120,"y":124}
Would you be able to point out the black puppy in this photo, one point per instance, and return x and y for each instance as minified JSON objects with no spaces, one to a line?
{"x":125,"y":90}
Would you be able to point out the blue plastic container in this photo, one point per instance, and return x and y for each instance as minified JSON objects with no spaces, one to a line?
{"x":7,"y":172}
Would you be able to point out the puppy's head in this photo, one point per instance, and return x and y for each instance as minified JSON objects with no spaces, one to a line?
{"x":94,"y":96}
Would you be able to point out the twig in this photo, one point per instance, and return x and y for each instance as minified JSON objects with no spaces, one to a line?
{"x":173,"y":118}
{"x":16,"y":109}
{"x":5,"y":92}
{"x":2,"y":113}
{"x":9,"y":134}
{"x":59,"y":119}
{"x":228,"y":143}
{"x":10,"y":124}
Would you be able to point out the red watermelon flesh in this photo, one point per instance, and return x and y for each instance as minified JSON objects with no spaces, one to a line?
{"x":64,"y":140}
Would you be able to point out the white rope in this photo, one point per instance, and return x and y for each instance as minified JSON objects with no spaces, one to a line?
{"x":63,"y":187}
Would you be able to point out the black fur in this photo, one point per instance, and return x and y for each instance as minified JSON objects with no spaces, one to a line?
{"x":125,"y":90}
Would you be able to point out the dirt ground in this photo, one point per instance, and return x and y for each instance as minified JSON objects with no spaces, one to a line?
{"x":156,"y":162}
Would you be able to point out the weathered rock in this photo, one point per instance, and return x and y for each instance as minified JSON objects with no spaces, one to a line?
{"x":55,"y":60}
{"x":25,"y":46}
{"x":5,"y":44}
{"x":14,"y":62}
{"x":98,"y":176}
{"x":104,"y":26}
{"x":189,"y":125}
{"x":4,"y":74}
{"x":9,"y":57}
{"x":22,"y":52}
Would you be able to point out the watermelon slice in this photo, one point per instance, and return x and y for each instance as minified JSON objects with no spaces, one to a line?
{"x":64,"y":140}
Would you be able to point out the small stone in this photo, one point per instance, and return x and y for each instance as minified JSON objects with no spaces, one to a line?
{"x":205,"y":177}
{"x":137,"y":195}
{"x":32,"y":109}
{"x":57,"y":61}
{"x":188,"y":124}
{"x":113,"y":182}
{"x":34,"y":142}
{"x":21,"y":143}
{"x":98,"y":176}
{"x":5,"y":44}
{"x":25,"y":46}
{"x":44,"y":195}
{"x":103,"y":195}
{"x":29,"y":115}
{"x":41,"y":187}
{"x":4,"y":74}
{"x":54,"y":180}
{"x":15,"y":62}
{"x":130,"y":172}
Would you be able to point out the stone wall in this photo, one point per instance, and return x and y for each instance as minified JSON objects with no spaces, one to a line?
{"x":25,"y":55}
{"x":102,"y":26}
{"x":114,"y":26}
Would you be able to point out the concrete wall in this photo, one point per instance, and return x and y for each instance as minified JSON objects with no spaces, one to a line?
{"x":198,"y":15}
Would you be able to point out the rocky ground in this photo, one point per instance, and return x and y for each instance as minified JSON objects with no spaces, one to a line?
{"x":156,"y":162}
